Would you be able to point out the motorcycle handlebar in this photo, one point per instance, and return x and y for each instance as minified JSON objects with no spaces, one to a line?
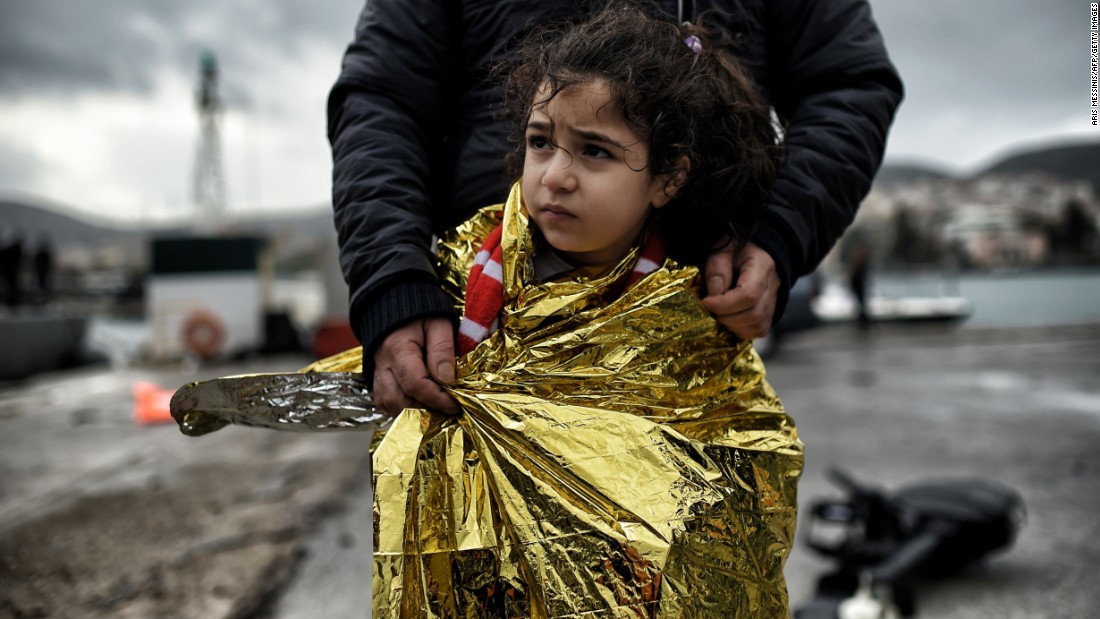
{"x":910,"y":555}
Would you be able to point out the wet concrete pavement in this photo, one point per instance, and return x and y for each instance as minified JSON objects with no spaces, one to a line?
{"x":1020,"y":407}
{"x":100,"y":517}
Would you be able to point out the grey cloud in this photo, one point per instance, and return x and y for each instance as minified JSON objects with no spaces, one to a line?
{"x":984,"y":77}
{"x":59,"y":47}
{"x":978,"y":49}
{"x":68,"y":46}
{"x":987,"y":52}
{"x":985,"y":60}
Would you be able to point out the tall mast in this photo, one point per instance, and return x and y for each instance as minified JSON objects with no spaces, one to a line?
{"x":209,"y":181}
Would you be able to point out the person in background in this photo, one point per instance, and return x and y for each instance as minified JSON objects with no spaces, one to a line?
{"x":43,"y":268}
{"x":859,"y":266}
{"x":11,"y":265}
{"x":416,"y":149}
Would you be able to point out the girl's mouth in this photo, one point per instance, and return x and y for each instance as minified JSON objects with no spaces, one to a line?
{"x":553,"y":211}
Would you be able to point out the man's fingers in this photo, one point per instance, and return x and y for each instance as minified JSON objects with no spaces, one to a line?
{"x":719,"y":271}
{"x":412,"y":376}
{"x":736,"y":300}
{"x":401,"y":375}
{"x":439,"y":347}
{"x":387,"y":395}
{"x":741,"y":312}
{"x":748,"y":295}
{"x":746,"y":309}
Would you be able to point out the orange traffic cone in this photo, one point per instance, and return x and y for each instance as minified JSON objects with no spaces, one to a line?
{"x":151,"y":404}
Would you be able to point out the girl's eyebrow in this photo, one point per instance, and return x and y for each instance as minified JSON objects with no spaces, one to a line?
{"x":595,"y":136}
{"x":587,"y":134}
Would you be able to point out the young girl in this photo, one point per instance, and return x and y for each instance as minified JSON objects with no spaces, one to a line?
{"x":618,"y":453}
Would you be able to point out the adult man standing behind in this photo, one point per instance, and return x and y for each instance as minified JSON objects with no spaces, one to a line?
{"x":416,"y":150}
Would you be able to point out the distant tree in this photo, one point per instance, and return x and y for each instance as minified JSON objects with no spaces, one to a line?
{"x":1076,"y":236}
{"x":907,"y":236}
{"x":914,"y":240}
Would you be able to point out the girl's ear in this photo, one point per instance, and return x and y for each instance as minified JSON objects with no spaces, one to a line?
{"x":668,"y":185}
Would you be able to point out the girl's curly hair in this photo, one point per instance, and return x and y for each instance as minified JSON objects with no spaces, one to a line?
{"x":682,"y":103}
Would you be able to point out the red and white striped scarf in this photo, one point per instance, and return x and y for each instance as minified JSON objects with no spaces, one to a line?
{"x":485,"y":287}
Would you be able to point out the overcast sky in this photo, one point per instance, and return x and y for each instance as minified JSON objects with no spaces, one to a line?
{"x":97,"y":97}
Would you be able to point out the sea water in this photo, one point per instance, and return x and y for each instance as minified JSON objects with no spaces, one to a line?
{"x":1013,"y":299}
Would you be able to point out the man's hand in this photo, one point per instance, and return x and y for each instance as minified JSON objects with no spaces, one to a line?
{"x":412,"y":363}
{"x":746,"y":309}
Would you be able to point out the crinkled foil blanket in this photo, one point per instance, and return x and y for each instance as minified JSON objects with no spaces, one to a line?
{"x":615,"y":457}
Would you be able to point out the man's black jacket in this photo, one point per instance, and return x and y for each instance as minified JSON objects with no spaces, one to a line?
{"x":417,"y":148}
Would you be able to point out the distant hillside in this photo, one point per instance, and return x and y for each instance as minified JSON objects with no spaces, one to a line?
{"x":297,"y":235}
{"x":33,"y":222}
{"x":901,"y":173}
{"x":1078,"y":161}
{"x":1068,"y":162}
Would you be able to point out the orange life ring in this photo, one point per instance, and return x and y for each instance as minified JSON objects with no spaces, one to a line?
{"x":203,"y":334}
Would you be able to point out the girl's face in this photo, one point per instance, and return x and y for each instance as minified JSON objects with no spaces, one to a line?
{"x":585,"y":179}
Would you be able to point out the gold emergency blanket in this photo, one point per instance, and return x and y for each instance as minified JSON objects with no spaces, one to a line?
{"x":615,"y":457}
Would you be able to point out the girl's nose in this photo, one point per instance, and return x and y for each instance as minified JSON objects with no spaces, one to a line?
{"x":559,"y":174}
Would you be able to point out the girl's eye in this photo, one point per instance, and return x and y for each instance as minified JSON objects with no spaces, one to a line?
{"x":538,"y":142}
{"x":596,"y":152}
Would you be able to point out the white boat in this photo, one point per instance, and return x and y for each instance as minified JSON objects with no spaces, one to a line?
{"x":837,"y":304}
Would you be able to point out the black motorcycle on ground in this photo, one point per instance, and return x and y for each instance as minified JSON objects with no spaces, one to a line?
{"x":885,"y":543}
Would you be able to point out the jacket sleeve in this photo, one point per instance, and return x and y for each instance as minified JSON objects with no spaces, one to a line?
{"x":385,"y":113}
{"x":835,"y":91}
